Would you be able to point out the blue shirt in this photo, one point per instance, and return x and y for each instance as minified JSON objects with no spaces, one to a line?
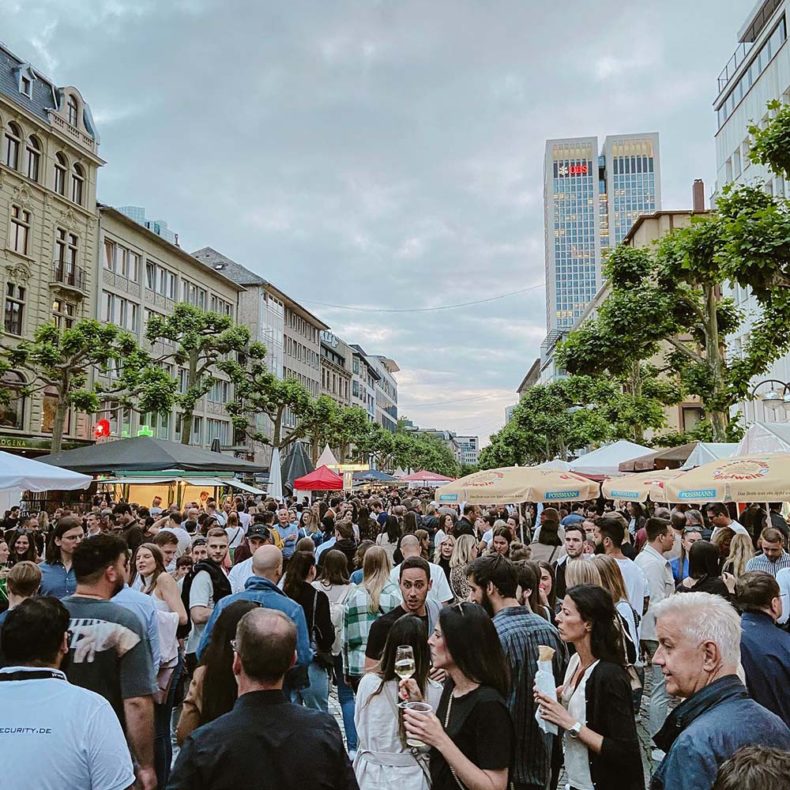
{"x":56,"y":580}
{"x":676,"y":572}
{"x":268,"y":595}
{"x":325,"y":546}
{"x":144,"y":608}
{"x":765,"y":656}
{"x":289,"y":531}
{"x":357,"y":576}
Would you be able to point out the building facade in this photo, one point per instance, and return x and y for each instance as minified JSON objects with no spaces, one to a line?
{"x":142,"y":274}
{"x":363,"y":382}
{"x":48,"y":165}
{"x":591,"y":200}
{"x":757,"y":72}
{"x":158,"y":226}
{"x":469,"y":447}
{"x":335,"y":369}
{"x":386,"y":390}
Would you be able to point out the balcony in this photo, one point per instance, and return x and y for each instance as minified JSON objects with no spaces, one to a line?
{"x":71,"y":278}
{"x":733,"y":64}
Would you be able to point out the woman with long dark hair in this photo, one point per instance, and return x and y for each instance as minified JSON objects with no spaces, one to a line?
{"x":595,"y":707}
{"x":389,"y":536}
{"x":335,"y":584}
{"x":471,"y":733}
{"x":704,"y":574}
{"x":298,"y":586}
{"x":383,"y":759}
{"x":213,"y":689}
{"x":22,"y":546}
{"x":548,"y":546}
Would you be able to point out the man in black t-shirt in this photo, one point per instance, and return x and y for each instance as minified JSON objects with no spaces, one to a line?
{"x":415,"y":583}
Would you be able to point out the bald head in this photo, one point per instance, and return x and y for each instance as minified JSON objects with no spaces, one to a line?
{"x":266,"y":647}
{"x":268,"y":563}
{"x":410,"y":546}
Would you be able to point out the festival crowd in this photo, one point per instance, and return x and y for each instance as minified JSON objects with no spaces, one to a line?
{"x":471,"y":648}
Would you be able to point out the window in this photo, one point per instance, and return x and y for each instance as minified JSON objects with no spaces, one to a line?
{"x":109,"y":255}
{"x":132,"y":266}
{"x":218,"y":429}
{"x":77,"y":183}
{"x":193,"y":295}
{"x":166,"y":283}
{"x":25,"y":84}
{"x":12,"y":412}
{"x":72,"y":110}
{"x":32,"y":157}
{"x":20,"y":229}
{"x":14,"y":308}
{"x":150,"y":275}
{"x":13,"y":138}
{"x":66,"y":255}
{"x":63,"y":313}
{"x":61,"y":168}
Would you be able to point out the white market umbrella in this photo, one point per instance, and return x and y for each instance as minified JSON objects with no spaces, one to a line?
{"x":327,"y":458}
{"x":606,"y":460}
{"x":18,"y":472}
{"x":275,"y":476}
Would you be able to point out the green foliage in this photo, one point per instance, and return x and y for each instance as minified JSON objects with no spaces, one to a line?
{"x":205,"y":343}
{"x":771,"y":143}
{"x":64,"y":361}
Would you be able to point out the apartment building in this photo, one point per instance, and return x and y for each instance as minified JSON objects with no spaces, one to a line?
{"x":335,"y":369}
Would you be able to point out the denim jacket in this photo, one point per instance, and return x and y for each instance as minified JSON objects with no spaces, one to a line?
{"x":703,"y":732}
{"x":268,"y":595}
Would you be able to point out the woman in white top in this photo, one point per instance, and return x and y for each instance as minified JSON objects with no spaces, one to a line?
{"x":384,"y":760}
{"x":334,"y":582}
{"x":389,"y":536}
{"x":148,"y":569}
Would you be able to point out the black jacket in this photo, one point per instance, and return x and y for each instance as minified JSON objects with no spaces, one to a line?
{"x":464,"y":527}
{"x":610,"y":713}
{"x":267,"y":743}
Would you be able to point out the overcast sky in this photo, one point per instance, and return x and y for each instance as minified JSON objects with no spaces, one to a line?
{"x":384,"y":155}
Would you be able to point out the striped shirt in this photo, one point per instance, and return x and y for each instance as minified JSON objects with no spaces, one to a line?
{"x":762,"y":563}
{"x":357,"y":620}
{"x":521,"y":633}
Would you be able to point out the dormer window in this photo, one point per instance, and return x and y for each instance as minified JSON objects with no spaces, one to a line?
{"x":72,"y":111}
{"x":25,"y":77}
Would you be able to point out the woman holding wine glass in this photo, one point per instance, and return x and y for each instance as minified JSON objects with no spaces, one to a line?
{"x":384,"y":760}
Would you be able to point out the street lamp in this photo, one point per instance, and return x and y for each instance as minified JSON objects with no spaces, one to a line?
{"x":775,"y":397}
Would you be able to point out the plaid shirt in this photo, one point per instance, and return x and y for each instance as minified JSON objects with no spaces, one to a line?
{"x":521,"y":633}
{"x":357,"y":621}
{"x":762,"y":563}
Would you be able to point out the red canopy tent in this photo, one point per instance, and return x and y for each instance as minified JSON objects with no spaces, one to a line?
{"x":427,"y":477}
{"x":322,"y":479}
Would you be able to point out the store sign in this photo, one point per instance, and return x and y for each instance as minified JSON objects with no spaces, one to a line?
{"x":573,"y":170}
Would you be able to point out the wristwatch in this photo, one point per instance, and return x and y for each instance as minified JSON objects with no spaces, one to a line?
{"x":575,"y":729}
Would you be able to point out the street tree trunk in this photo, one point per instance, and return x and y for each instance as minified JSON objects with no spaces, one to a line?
{"x":714,"y":355}
{"x":636,"y":394}
{"x":187,"y":418}
{"x":59,"y":424}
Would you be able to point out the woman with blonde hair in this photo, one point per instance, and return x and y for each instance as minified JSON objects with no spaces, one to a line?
{"x":464,"y":552}
{"x":741,"y":551}
{"x":375,"y":596}
{"x":581,"y":571}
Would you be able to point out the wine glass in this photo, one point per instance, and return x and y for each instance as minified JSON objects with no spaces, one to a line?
{"x":404,"y":661}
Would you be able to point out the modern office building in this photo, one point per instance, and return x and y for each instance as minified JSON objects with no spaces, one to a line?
{"x":470,"y":449}
{"x":592,"y":196}
{"x":48,"y":227}
{"x":363,"y":382}
{"x":158,"y":226}
{"x":757,"y":72}
{"x":335,"y":369}
{"x":386,"y":391}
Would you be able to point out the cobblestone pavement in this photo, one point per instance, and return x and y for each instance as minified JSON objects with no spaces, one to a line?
{"x":641,"y":727}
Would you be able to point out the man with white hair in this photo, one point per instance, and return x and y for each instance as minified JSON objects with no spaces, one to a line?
{"x":699,"y":637}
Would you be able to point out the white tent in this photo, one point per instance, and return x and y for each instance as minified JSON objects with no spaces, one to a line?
{"x":709,"y":451}
{"x":275,"y":489}
{"x":20,"y":473}
{"x":606,"y":460}
{"x":327,"y":458}
{"x":765,"y":437}
{"x":556,"y":465}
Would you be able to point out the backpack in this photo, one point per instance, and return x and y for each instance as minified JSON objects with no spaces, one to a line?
{"x":220,"y":588}
{"x":336,"y":615}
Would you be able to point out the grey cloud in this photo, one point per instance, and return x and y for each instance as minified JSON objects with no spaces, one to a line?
{"x":383,"y":154}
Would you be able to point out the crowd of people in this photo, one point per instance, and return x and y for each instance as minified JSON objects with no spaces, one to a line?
{"x":472,"y":647}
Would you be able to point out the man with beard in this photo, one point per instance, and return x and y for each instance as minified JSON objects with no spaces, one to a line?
{"x":574,"y":547}
{"x":109,"y":652}
{"x":492,"y":584}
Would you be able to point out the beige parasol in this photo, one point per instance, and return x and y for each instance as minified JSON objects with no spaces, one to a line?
{"x":638,"y":487}
{"x":512,"y":484}
{"x":761,"y":477}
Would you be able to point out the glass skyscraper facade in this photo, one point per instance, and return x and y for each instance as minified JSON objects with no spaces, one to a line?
{"x":591,"y":200}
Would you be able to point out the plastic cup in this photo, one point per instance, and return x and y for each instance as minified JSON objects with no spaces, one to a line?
{"x":416,"y":707}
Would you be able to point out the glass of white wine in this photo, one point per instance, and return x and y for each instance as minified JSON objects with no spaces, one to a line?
{"x":404,"y":661}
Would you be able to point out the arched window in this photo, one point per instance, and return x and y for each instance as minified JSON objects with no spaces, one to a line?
{"x":49,"y":405}
{"x":77,"y":183}
{"x":72,"y":110}
{"x":12,"y":412}
{"x":13,"y":139}
{"x":61,"y":168}
{"x":32,"y":157}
